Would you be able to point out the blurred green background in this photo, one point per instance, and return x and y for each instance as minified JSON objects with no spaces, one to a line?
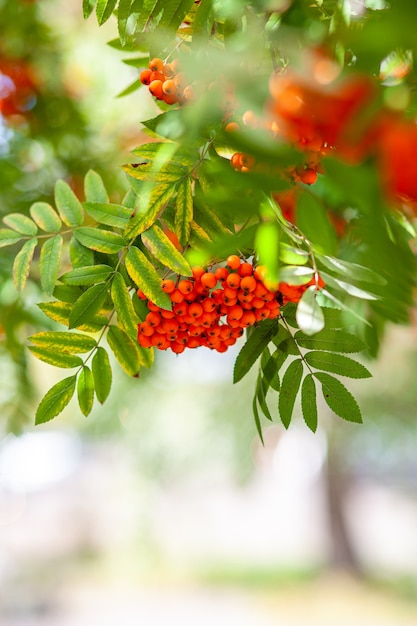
{"x":163,"y":507}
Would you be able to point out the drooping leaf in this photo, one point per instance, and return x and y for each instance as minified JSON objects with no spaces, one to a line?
{"x":261,"y":392}
{"x":66,"y":342}
{"x":8,"y":237}
{"x":157,"y":200}
{"x":87,"y":305}
{"x":60,"y":312}
{"x":292,"y":256}
{"x":21,"y":224}
{"x":99,"y":240}
{"x":94,"y":188}
{"x":49,"y":262}
{"x":45,"y":217}
{"x":58,"y":359}
{"x":184,"y":211}
{"x":295,"y":274}
{"x":352,"y":290}
{"x":332,"y":339}
{"x":352,"y":270}
{"x":309,"y":402}
{"x":337,"y":364}
{"x":110,"y":214}
{"x":102,"y":373}
{"x":124,"y":349}
{"x":88,"y":6}
{"x":145,"y":276}
{"x":253,"y":348}
{"x":290,"y":385}
{"x":104,"y":9}
{"x":164,"y":250}
{"x":88,"y":275}
{"x":68,"y":205}
{"x":257,"y":418}
{"x":55,"y":400}
{"x":127,"y":16}
{"x":338,"y":398}
{"x":22,"y":262}
{"x":80,"y":256}
{"x":309,"y":315}
{"x":126,"y":316}
{"x":85,"y":390}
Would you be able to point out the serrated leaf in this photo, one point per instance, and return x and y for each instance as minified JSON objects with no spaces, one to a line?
{"x":253,"y":348}
{"x":80,"y":256}
{"x":65,"y":293}
{"x":147,"y":356}
{"x":8,"y":237}
{"x":332,"y":339}
{"x":49,"y":262}
{"x":145,"y":276}
{"x":57,"y":359}
{"x":295,"y":274}
{"x":126,"y":316}
{"x":68,"y":205}
{"x":114,"y":215}
{"x":158,"y":198}
{"x":99,"y":240}
{"x":94,"y":188}
{"x":85,"y":276}
{"x":85,"y":390}
{"x":290,"y":385}
{"x":338,"y":398}
{"x":352,"y":290}
{"x":164,"y":250}
{"x":104,"y":9}
{"x":102,"y":374}
{"x":127,"y":16}
{"x":309,"y":315}
{"x":55,"y":400}
{"x":309,"y":402}
{"x":261,"y":392}
{"x":45,"y":217}
{"x":257,"y":419}
{"x":125,"y":350}
{"x":21,"y":264}
{"x":66,"y":342}
{"x":184,"y":211}
{"x":337,"y":364}
{"x":87,"y":305}
{"x":21,"y":224}
{"x":346,"y":268}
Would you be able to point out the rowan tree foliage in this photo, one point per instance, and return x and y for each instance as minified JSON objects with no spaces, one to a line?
{"x":275,"y":198}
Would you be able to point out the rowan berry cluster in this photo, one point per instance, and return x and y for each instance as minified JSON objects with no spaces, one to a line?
{"x":213,"y":307}
{"x":165,"y":82}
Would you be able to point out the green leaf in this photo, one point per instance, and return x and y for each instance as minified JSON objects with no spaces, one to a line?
{"x":309,"y":316}
{"x":253,"y":348}
{"x":292,"y":256}
{"x":99,"y":240}
{"x":352,"y":270}
{"x":313,"y":222}
{"x":126,"y":316}
{"x":267,"y":249}
{"x":66,"y":342}
{"x":102,"y":374}
{"x":257,"y":419}
{"x":65,"y":293}
{"x":56,"y":358}
{"x":334,"y":340}
{"x":153,"y":206}
{"x":295,"y":274}
{"x":309,"y":402}
{"x":21,"y":224}
{"x":352,"y":290}
{"x":104,"y":9}
{"x":289,"y":388}
{"x":68,"y":205}
{"x":88,"y":6}
{"x":49,"y":262}
{"x":8,"y":237}
{"x":261,"y":392}
{"x":125,"y":350}
{"x":94,"y":188}
{"x":184,"y":211}
{"x":87,"y":275}
{"x":338,"y":398}
{"x":127,"y":16}
{"x":337,"y":364}
{"x":85,"y":390}
{"x":80,"y":256}
{"x":21,"y":264}
{"x":114,"y":215}
{"x":145,"y":276}
{"x":164,"y":250}
{"x":130,"y":89}
{"x":87,"y":305}
{"x":55,"y":400}
{"x":147,"y":356}
{"x":45,"y":217}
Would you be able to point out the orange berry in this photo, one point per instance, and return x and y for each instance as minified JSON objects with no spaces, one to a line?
{"x":156,"y":65}
{"x":231,"y":127}
{"x":221,"y":273}
{"x":157,"y":76}
{"x":245,"y":269}
{"x":144,"y":341}
{"x":145,"y":329}
{"x":309,"y":176}
{"x":248,"y":284}
{"x":145,"y":77}
{"x":168,"y":70}
{"x":193,"y":342}
{"x":168,"y":285}
{"x":208,"y":279}
{"x":235,"y":160}
{"x":177,"y":347}
{"x":235,"y":312}
{"x":208,"y":305}
{"x":176,"y":296}
{"x":233,"y":262}
{"x":153,"y":319}
{"x":153,"y":307}
{"x":185,"y":286}
{"x":195,"y":310}
{"x":198,"y":272}
{"x":155,"y":88}
{"x":141,"y":295}
{"x":180,"y":81}
{"x":180,"y":309}
{"x":248,"y":319}
{"x":188,"y":93}
{"x":170,"y":99}
{"x":167,"y":315}
{"x":169,"y":87}
{"x":233,"y":281}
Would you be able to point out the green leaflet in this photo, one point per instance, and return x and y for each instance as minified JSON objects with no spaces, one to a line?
{"x":57,"y":359}
{"x":8,"y":237}
{"x":85,"y":390}
{"x":99,"y":240}
{"x":87,"y":305}
{"x":145,"y":276}
{"x":126,"y":316}
{"x":267,"y":246}
{"x":102,"y":374}
{"x":295,"y":274}
{"x":125,"y":350}
{"x":45,"y":217}
{"x":184,"y":211}
{"x":49,"y":262}
{"x":292,"y":256}
{"x":352,"y":290}
{"x":88,"y":6}
{"x":88,"y":275}
{"x":309,"y":315}
{"x":348,"y":269}
{"x":80,"y":256}
{"x":21,"y":224}
{"x":60,"y":312}
{"x":114,"y":215}
{"x":257,"y":418}
{"x":154,"y":204}
{"x":104,"y":9}
{"x":55,"y":400}
{"x":332,"y":339}
{"x":309,"y":402}
{"x":337,"y":364}
{"x":127,"y":15}
{"x":338,"y":398}
{"x":148,"y":172}
{"x":313,"y":222}
{"x":60,"y":341}
{"x":68,"y":205}
{"x":94,"y":188}
{"x":253,"y":348}
{"x":289,"y":389}
{"x":21,"y":264}
{"x":164,"y":250}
